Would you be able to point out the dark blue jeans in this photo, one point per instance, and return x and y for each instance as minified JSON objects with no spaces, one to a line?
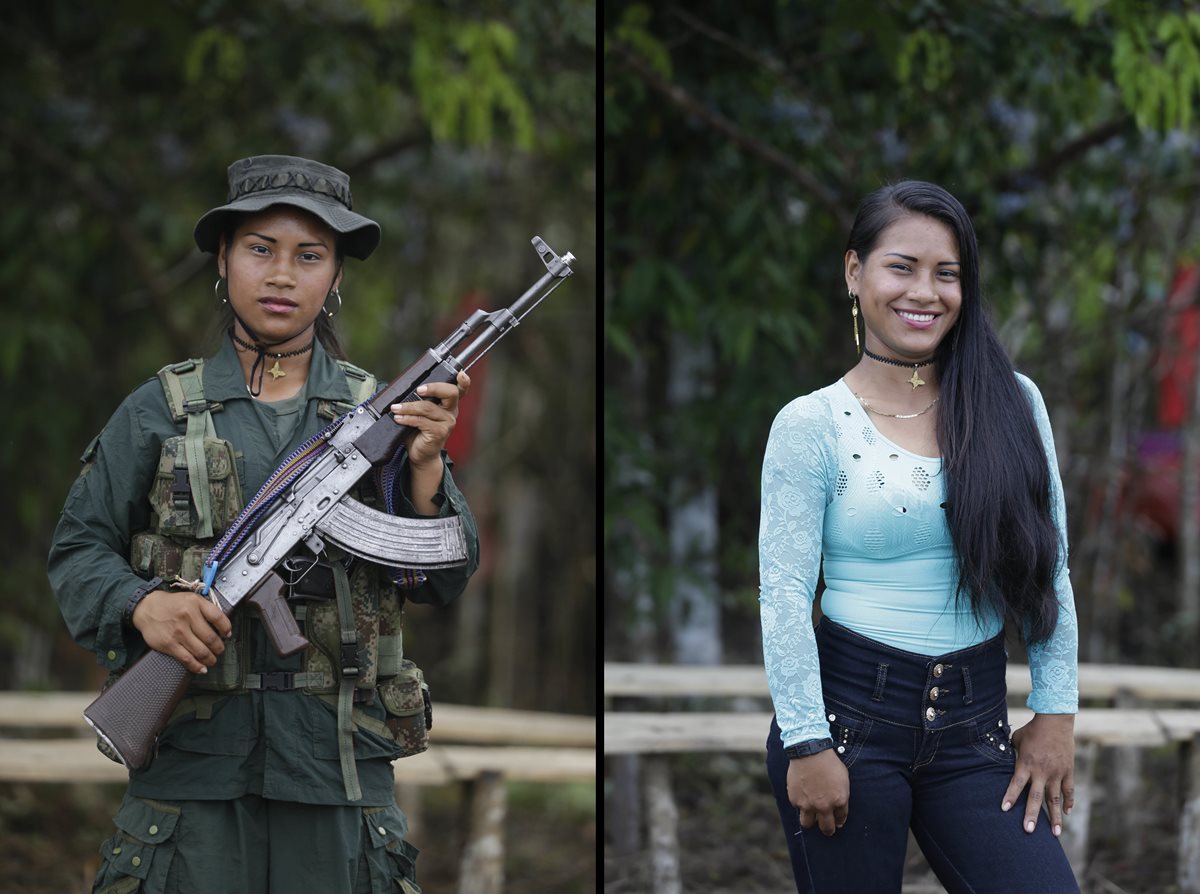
{"x":926,"y":742}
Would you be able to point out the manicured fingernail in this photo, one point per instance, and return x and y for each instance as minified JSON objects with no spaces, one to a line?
{"x":422,"y":389}
{"x":1029,"y":826}
{"x":1067,"y":811}
{"x":203,"y":669}
{"x":1007,"y":805}
{"x":1058,"y":830}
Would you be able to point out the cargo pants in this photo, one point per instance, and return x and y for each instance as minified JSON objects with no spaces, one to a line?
{"x":252,"y":845}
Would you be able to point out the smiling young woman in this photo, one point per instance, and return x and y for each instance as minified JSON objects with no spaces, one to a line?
{"x":923,"y":485}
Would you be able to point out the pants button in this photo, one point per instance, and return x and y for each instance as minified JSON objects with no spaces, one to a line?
{"x":938,"y":670}
{"x":930,"y":714}
{"x":934,"y":693}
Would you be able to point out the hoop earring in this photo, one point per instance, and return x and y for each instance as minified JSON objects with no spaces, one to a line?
{"x":336,"y":293}
{"x":854,"y":318}
{"x":217,"y":291}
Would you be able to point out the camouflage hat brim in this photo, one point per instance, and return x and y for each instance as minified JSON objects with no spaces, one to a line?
{"x":258,"y":183}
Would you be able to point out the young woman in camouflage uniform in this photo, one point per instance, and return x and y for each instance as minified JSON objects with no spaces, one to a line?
{"x":251,"y":788}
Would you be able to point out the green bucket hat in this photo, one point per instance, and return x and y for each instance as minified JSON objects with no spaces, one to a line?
{"x":263,"y":180}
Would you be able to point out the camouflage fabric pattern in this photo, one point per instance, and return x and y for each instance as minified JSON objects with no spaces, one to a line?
{"x":391,"y":633}
{"x":325,"y":636}
{"x":224,"y":488}
{"x":155,"y":555}
{"x":403,"y":697}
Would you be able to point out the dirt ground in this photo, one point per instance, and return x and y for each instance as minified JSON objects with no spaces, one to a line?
{"x":50,"y":837}
{"x":730,"y":840}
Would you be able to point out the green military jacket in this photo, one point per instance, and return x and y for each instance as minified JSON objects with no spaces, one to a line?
{"x":275,"y":744}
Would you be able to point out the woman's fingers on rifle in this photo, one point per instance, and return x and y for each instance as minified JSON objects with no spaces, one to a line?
{"x":193,"y":654}
{"x":422,"y":413}
{"x":440,"y":400}
{"x":217,"y":618}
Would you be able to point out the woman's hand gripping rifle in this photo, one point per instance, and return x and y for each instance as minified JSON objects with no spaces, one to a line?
{"x":305,"y":501}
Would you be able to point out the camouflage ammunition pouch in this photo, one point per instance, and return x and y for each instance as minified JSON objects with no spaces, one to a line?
{"x":174,"y":508}
{"x":406,"y":699}
{"x":323,"y":629}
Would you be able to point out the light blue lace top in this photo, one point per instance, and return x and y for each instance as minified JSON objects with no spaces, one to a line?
{"x":833,"y":486}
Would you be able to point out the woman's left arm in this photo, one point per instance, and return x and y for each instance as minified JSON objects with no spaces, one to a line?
{"x":433,"y":423}
{"x":424,"y":485}
{"x":1046,"y":745}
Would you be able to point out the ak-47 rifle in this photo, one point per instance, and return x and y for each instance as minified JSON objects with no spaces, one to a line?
{"x":305,"y":501}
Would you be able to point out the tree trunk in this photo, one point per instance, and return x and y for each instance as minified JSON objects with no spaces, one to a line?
{"x":695,"y":609}
{"x":510,"y":654}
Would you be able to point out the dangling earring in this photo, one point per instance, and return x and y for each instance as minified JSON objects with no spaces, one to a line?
{"x":854,"y":317}
{"x":217,"y":291}
{"x":338,"y":295}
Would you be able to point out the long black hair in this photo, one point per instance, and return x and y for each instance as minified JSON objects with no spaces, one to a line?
{"x":998,"y":505}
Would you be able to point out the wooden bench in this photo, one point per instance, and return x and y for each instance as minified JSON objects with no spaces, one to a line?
{"x":43,"y":738}
{"x":1125,"y":726}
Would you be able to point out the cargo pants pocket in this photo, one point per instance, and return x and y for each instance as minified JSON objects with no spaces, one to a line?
{"x":391,"y":861}
{"x":138,"y":857}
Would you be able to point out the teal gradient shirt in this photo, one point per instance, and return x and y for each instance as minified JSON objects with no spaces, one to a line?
{"x":834,"y":488}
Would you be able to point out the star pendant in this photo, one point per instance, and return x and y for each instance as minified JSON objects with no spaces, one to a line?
{"x":277,"y":373}
{"x":915,"y":381}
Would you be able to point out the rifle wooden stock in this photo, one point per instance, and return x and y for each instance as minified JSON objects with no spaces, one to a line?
{"x":130,"y":712}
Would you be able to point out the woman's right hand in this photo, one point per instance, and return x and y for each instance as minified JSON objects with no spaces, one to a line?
{"x":819,"y":787}
{"x":185,"y":626}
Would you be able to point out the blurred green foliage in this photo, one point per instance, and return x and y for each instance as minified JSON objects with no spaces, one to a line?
{"x":738,"y":147}
{"x":466,"y":129}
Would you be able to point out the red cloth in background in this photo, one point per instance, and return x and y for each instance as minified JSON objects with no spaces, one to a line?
{"x":461,"y":443}
{"x":1177,"y":356}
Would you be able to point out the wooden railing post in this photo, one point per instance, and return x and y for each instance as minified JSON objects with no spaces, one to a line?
{"x":663,"y":821}
{"x":1075,"y":826}
{"x":482,"y":867}
{"x":1128,"y":762}
{"x":1189,"y":817}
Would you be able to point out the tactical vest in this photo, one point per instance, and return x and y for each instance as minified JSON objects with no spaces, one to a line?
{"x":196,"y":495}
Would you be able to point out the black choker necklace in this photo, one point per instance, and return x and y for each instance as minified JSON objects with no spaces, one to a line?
{"x":275,"y":371}
{"x":916,"y":381}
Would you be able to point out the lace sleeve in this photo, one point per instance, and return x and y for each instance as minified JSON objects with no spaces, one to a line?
{"x":1054,"y":664}
{"x":795,"y":491}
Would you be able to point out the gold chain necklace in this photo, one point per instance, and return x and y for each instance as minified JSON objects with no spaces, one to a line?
{"x":871,"y":409}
